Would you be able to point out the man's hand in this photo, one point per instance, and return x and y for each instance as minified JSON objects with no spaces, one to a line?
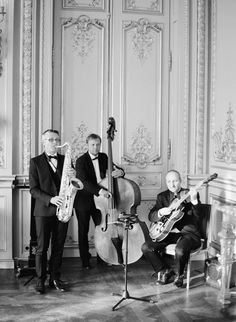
{"x":193,"y":196}
{"x":57,"y":201}
{"x":117,"y":173}
{"x":104,"y":193}
{"x":164,"y":211}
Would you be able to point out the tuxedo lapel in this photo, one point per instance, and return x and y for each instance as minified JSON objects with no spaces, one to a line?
{"x":47,"y":168}
{"x":101,"y":163}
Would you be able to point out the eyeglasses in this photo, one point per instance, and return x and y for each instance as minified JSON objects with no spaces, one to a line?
{"x":52,"y":140}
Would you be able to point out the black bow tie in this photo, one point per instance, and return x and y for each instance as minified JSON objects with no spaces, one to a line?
{"x":95,"y":158}
{"x":52,"y":157}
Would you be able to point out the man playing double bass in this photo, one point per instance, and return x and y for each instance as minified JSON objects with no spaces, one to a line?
{"x":91,"y":168}
{"x":184,"y":234}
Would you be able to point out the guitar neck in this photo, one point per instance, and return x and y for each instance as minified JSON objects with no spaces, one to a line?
{"x":184,"y":197}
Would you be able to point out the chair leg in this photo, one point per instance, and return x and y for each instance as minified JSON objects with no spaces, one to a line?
{"x":188,"y":274}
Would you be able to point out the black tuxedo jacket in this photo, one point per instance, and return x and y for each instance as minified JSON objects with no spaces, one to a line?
{"x":43,"y":185}
{"x":190,"y":220}
{"x":84,"y":200}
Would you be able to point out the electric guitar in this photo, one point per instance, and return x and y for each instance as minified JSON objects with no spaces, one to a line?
{"x":160,"y":229}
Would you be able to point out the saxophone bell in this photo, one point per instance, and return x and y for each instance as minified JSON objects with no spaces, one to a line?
{"x":77,"y":183}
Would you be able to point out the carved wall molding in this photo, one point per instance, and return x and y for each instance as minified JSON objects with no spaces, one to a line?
{"x":150,"y":180}
{"x":144,"y":6}
{"x":224,"y":141}
{"x":186,"y":91}
{"x":78,"y":141}
{"x":26,"y":83}
{"x":142,"y":40}
{"x":83,"y":35}
{"x":213,"y":66}
{"x":141,"y":149}
{"x":45,"y":69}
{"x":89,"y":4}
{"x":201,"y":78}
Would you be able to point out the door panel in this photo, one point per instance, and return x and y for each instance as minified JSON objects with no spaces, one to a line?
{"x":111,"y":59}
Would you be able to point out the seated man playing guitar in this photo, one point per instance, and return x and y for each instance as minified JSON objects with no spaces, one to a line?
{"x":175,"y":217}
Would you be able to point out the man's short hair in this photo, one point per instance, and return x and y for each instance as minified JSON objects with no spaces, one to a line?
{"x":51,"y":131}
{"x":93,"y":136}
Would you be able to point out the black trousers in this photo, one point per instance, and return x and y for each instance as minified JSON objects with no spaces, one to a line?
{"x":83,"y":229}
{"x":184,"y":244}
{"x":49,"y":228}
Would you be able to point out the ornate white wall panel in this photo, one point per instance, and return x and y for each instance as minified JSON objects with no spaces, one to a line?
{"x":142,"y":64}
{"x":83,"y":4}
{"x":26,"y":84}
{"x":84,"y":79}
{"x":140,"y":75}
{"x":22,"y":222}
{"x":222,"y":152}
{"x":222,"y":99}
{"x":143,"y":6}
{"x":6,"y":91}
{"x":186,"y":64}
{"x":6,"y":259}
{"x":201,"y":134}
{"x":45,"y":111}
{"x":6,"y":137}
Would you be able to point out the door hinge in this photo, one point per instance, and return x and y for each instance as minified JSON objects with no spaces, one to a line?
{"x":169,"y":149}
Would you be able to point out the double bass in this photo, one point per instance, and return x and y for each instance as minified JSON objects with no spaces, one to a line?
{"x":125,"y":197}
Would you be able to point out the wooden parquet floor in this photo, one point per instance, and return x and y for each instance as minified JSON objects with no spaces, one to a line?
{"x":89,"y":297}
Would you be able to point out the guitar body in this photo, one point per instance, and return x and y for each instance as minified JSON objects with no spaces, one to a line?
{"x":159,"y":230}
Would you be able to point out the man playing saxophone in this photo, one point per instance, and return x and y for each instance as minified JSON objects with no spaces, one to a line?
{"x":45,"y":174}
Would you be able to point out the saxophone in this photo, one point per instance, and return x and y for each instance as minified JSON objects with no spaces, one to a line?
{"x":69,"y":187}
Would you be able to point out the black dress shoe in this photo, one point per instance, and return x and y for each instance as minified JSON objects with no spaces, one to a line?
{"x":166,"y":276}
{"x":57,"y":284}
{"x":40,"y":288}
{"x":179,"y":281}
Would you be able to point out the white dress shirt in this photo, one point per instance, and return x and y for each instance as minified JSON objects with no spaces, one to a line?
{"x":53,"y":162}
{"x":96,"y":167}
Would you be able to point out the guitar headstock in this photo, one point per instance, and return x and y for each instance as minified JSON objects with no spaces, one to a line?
{"x":111,"y":128}
{"x":210,"y":178}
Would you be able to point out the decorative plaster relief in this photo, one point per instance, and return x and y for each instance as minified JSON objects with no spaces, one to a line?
{"x":147,"y":181}
{"x":89,"y":4}
{"x":154,"y":6}
{"x":78,"y":142}
{"x":185,"y":121}
{"x":224,"y":143}
{"x":26,"y":83}
{"x":201,"y":84}
{"x":141,"y":149}
{"x":142,"y":40}
{"x":83,"y":35}
{"x":2,"y":152}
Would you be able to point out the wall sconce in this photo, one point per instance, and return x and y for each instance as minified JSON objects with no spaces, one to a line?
{"x":2,"y":14}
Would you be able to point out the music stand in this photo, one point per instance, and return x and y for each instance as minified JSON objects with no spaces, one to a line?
{"x":128,"y":221}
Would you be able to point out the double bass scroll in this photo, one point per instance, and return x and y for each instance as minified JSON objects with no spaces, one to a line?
{"x":125,"y":197}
